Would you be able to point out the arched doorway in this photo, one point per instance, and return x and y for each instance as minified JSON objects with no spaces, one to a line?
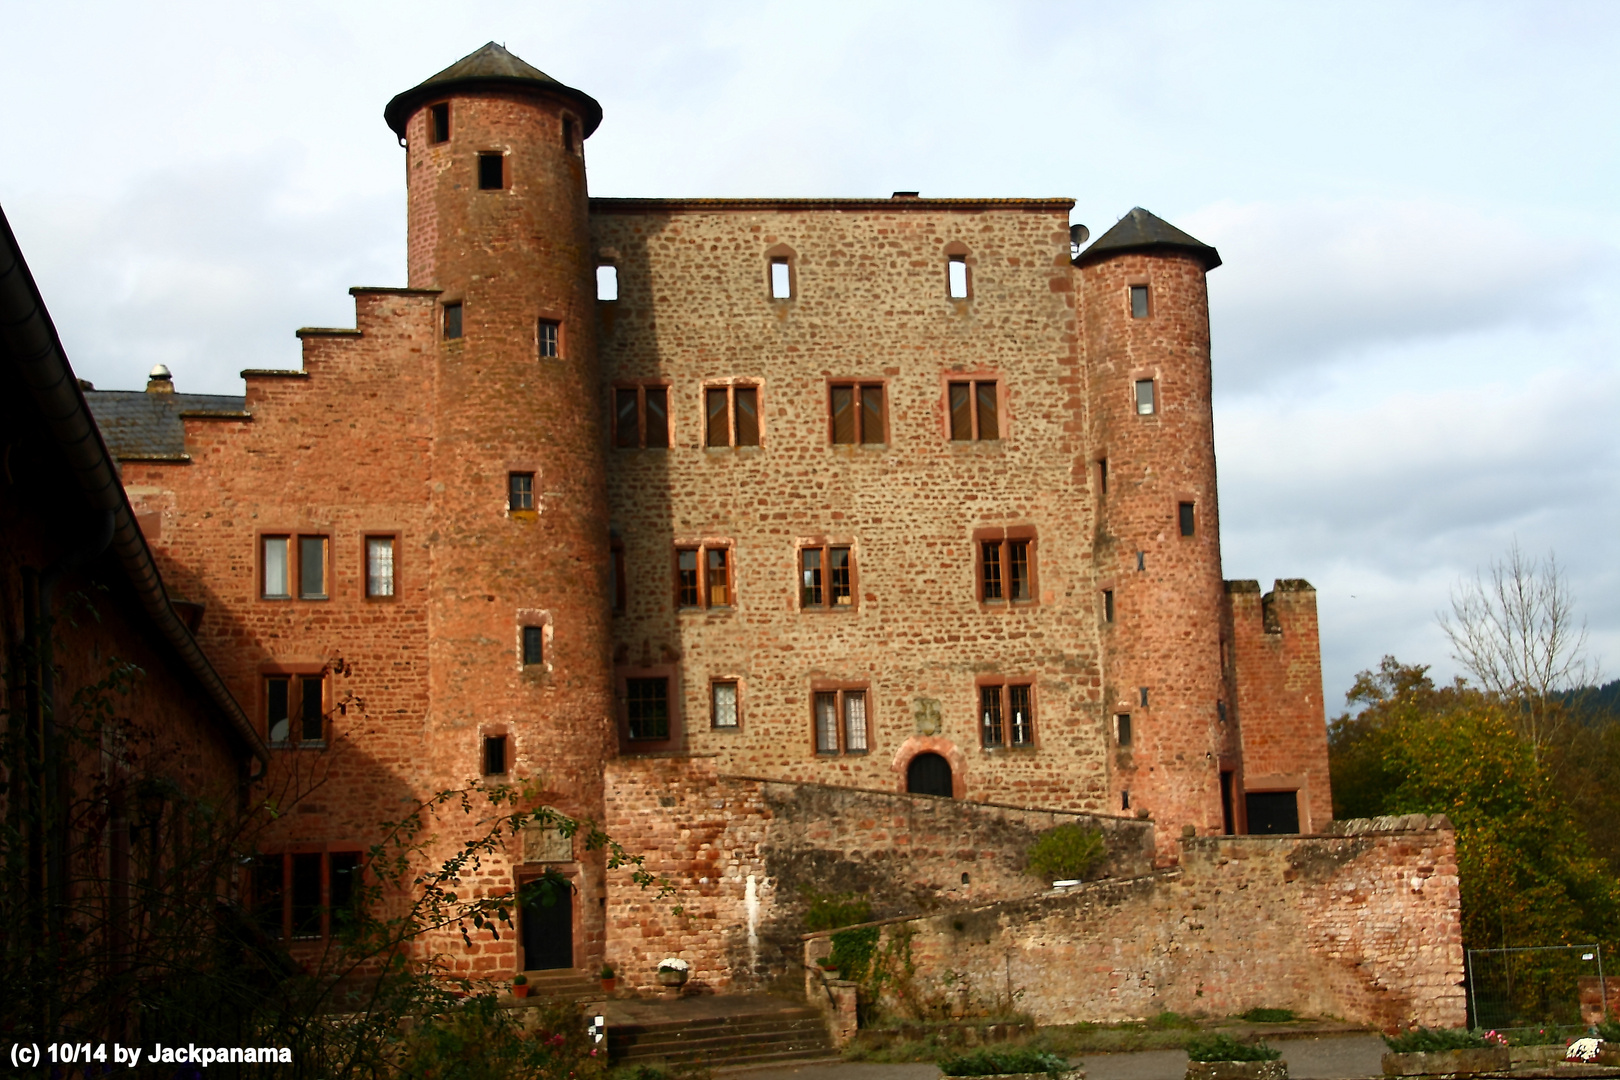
{"x":929,"y":774}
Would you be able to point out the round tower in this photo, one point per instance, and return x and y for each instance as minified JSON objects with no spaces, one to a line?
{"x":1157,"y":548}
{"x":519,"y":637}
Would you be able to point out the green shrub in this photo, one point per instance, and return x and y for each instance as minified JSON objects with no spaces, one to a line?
{"x":1067,"y":852}
{"x":852,"y":951}
{"x":1435,"y":1040}
{"x":1226,"y":1048}
{"x":989,"y":1062}
{"x":829,"y":911}
{"x":1609,"y":1031}
{"x":1267,"y":1016}
{"x":1170,"y":1021}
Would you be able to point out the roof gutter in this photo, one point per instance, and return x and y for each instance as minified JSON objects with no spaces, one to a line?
{"x":29,"y":337}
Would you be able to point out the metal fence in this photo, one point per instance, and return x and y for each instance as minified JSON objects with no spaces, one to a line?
{"x":1531,"y":987}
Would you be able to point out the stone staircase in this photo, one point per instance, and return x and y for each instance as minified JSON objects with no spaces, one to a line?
{"x":748,"y":1032}
{"x":563,"y":984}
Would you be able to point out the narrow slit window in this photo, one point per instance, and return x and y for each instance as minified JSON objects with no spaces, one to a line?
{"x":312,"y":568}
{"x":1142,"y":694}
{"x":520,"y":491}
{"x":534,"y":645}
{"x":491,"y":172}
{"x":550,"y":337}
{"x":781,"y":280}
{"x":723,"y":697}
{"x":1185,"y":513}
{"x":276,"y":578}
{"x":957,"y":277}
{"x":607,"y":282}
{"x":616,"y":579}
{"x":1139,"y":301}
{"x":1122,"y":729}
{"x":494,"y":755}
{"x":1141,"y":560}
{"x":568,"y":133}
{"x":1102,"y":475}
{"x":452,"y":321}
{"x":1108,"y":605}
{"x":439,"y":122}
{"x":379,"y":566}
{"x":1145,"y":403}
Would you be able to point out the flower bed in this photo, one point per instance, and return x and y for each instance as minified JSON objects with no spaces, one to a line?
{"x":1221,"y":1057}
{"x":1445,"y":1052}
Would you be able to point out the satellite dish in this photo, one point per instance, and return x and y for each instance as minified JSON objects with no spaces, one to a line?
{"x":1078,"y":235}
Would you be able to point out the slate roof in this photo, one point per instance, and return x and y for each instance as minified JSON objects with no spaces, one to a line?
{"x":135,"y":424}
{"x":490,"y":68}
{"x":1142,"y":231}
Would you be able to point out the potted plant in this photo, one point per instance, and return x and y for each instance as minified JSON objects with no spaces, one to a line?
{"x":609,"y":980}
{"x":520,"y":985}
{"x":1011,"y":1063}
{"x":1221,"y":1057}
{"x":1445,"y":1050}
{"x":828,"y":967}
{"x":673,"y":971}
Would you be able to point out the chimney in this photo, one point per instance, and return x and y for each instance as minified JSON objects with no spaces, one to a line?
{"x":159,"y":381}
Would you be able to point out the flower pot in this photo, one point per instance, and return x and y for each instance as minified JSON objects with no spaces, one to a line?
{"x":1237,"y":1070}
{"x":672,"y":978}
{"x":520,"y":990}
{"x":1449,"y":1062}
{"x":609,"y":984}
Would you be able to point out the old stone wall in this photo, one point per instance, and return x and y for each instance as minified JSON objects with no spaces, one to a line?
{"x":1363,"y":924}
{"x":747,"y":854}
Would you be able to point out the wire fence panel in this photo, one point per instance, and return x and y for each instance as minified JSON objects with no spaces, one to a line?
{"x":1530,"y":988}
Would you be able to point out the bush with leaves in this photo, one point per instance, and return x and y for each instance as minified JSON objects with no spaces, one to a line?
{"x":1068,"y":852}
{"x":1261,"y":1015}
{"x":1001,"y":1060}
{"x":1225,"y":1048}
{"x":1435,"y":1040}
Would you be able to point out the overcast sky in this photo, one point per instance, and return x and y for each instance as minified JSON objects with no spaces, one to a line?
{"x":1415,"y":329}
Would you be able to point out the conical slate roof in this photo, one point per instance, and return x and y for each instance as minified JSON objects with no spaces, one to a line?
{"x":1142,"y":231}
{"x":490,"y":68}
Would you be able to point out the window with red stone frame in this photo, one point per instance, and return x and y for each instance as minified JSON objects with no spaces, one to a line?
{"x":1006,"y":713}
{"x":703,"y":575}
{"x":827,"y":577}
{"x":1005,"y":566}
{"x":841,"y":718}
{"x":641,"y":416}
{"x":731,"y":415}
{"x":857,"y":413}
{"x":304,"y":895}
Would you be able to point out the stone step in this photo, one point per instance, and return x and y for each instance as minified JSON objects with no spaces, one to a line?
{"x":757,"y":1037}
{"x":646,"y":1047}
{"x":782,"y":1021}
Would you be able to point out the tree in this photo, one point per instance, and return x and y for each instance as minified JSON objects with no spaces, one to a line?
{"x":1515,"y":631}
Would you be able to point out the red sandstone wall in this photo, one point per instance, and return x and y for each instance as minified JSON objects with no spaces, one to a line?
{"x":1276,"y":671}
{"x":1364,"y":926}
{"x":742,"y":851}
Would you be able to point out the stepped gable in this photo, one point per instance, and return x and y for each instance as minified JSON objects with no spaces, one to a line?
{"x":490,"y":68}
{"x":137,"y":424}
{"x":1140,"y":230}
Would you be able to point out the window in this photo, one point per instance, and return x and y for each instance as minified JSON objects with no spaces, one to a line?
{"x":703,"y":576}
{"x":1145,"y":404}
{"x":1006,"y":715}
{"x":974,"y":414}
{"x":607,"y":282}
{"x":1141,"y":560}
{"x":841,"y":721}
{"x":956,"y":277}
{"x":857,"y":413}
{"x":295,"y":709}
{"x":1005,"y":570}
{"x":278,"y":570}
{"x":1125,"y":799}
{"x":491,"y":171}
{"x":723,"y":704}
{"x":379,"y":567}
{"x":1139,"y":301}
{"x":731,"y":416}
{"x":439,"y":122}
{"x":550,"y":338}
{"x":568,"y":134}
{"x":494,"y":755}
{"x":534,"y":645}
{"x":1108,"y":605}
{"x":305,"y":895}
{"x":1185,"y":513}
{"x":452,"y":321}
{"x":826,"y":582}
{"x":1102,"y":475}
{"x":1142,"y":693}
{"x":641,"y":417}
{"x":520,"y":491}
{"x":781,"y":278}
{"x":647,"y":708}
{"x":1122,"y":728}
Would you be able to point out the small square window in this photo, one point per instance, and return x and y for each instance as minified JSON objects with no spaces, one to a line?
{"x":439,"y":122}
{"x":550,"y":336}
{"x":857,"y":413}
{"x":723,"y":702}
{"x":957,"y":277}
{"x":534,"y":645}
{"x":1145,"y":404}
{"x":1139,"y":301}
{"x":452,"y":321}
{"x":974,"y":412}
{"x":781,"y":279}
{"x":1122,"y":729}
{"x":491,"y":172}
{"x":647,"y":708}
{"x":607,"y":282}
{"x":494,"y":755}
{"x":379,"y":566}
{"x":312,"y":568}
{"x":1185,"y":513}
{"x":520,"y":491}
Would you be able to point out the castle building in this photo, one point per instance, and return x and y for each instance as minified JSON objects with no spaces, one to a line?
{"x":902,"y":495}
